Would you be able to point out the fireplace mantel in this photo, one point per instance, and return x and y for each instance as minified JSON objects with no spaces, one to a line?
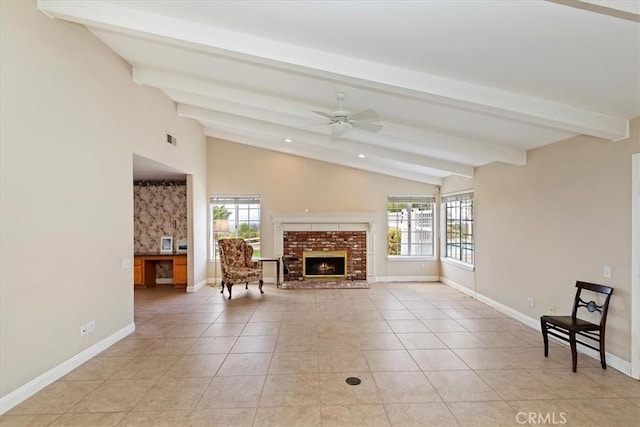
{"x":327,"y":221}
{"x":324,"y":218}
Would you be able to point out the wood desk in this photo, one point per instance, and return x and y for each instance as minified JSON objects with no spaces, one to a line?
{"x":277,"y":261}
{"x":144,"y":269}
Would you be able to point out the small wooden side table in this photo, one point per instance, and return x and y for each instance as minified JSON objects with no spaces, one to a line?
{"x":277,"y":261}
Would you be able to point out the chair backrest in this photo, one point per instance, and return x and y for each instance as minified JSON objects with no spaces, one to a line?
{"x":234,"y":253}
{"x":592,"y":306}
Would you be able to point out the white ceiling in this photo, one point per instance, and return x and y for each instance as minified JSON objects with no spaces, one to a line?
{"x":456,"y":84}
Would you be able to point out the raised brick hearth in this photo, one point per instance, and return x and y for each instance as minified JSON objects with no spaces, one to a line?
{"x":354,"y":242}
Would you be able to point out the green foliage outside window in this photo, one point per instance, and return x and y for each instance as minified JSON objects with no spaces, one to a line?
{"x":220,"y":212}
{"x":247,"y":232}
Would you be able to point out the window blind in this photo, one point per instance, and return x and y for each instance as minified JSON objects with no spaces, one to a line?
{"x":457,"y":197}
{"x":411,"y":199}
{"x":232,"y":200}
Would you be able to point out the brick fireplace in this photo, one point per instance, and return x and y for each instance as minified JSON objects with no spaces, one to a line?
{"x":297,"y":244}
{"x":352,"y":232}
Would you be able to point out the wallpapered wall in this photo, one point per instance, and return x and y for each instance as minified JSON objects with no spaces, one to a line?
{"x":159,"y":209}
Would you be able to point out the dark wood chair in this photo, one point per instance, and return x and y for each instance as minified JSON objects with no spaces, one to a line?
{"x":567,"y":328}
{"x":285,"y":269}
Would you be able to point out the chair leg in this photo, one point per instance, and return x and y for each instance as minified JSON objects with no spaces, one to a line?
{"x":574,"y":350}
{"x":229,"y":285}
{"x":222,"y":287}
{"x":246,"y":285}
{"x":260,"y":283}
{"x":603,"y":355}
{"x":545,"y":338}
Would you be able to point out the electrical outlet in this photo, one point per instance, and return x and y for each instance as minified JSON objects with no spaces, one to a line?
{"x":552,"y":309}
{"x":607,"y":272}
{"x":422,"y":266}
{"x":126,"y":263}
{"x":531,"y":302}
{"x":87,"y":328}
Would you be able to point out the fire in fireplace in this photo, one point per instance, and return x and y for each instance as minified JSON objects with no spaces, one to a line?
{"x":324,"y":264}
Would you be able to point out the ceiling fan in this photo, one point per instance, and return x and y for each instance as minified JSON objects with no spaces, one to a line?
{"x":342,"y":120}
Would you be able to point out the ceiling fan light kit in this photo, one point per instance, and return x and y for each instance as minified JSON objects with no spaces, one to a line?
{"x":342,"y":120}
{"x":340,"y":127}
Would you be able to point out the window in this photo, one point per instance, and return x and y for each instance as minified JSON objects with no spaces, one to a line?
{"x":410,"y":226}
{"x":236,"y":216}
{"x":458,"y":216}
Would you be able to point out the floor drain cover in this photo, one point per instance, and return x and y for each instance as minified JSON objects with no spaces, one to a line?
{"x":353,"y":381}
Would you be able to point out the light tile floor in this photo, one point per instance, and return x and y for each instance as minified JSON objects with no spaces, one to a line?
{"x":427,"y":355}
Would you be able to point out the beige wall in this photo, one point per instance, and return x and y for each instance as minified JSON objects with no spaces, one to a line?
{"x":292,"y":184}
{"x":561,"y":217}
{"x":71,"y":117}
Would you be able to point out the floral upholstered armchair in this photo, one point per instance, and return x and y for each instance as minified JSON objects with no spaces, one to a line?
{"x":236,"y":264}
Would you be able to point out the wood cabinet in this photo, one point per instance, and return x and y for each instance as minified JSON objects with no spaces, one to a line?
{"x":137,"y":272}
{"x":144,"y":269}
{"x":180,"y":271}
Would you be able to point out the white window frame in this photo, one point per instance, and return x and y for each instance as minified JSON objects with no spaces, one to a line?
{"x":415,"y":199}
{"x":235,"y":200}
{"x":457,"y":196}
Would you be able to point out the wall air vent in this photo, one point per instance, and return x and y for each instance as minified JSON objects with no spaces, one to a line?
{"x":172,"y":140}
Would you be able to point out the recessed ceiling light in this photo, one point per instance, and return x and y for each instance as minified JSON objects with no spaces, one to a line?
{"x":362,"y":156}
{"x":288,"y":140}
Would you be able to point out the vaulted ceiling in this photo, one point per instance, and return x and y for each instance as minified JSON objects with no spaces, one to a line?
{"x":455,"y":84}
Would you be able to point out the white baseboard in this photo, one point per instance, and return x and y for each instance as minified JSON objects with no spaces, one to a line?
{"x":387,"y":279}
{"x":613,"y":361}
{"x":32,"y":387}
{"x":198,"y":286}
{"x":165,"y":281}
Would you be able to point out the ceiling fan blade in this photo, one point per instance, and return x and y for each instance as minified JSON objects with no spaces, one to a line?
{"x":364,"y":115}
{"x":367,"y":126}
{"x":323,"y":114}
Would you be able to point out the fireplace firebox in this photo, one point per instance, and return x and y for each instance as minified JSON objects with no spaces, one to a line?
{"x":324,"y":264}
